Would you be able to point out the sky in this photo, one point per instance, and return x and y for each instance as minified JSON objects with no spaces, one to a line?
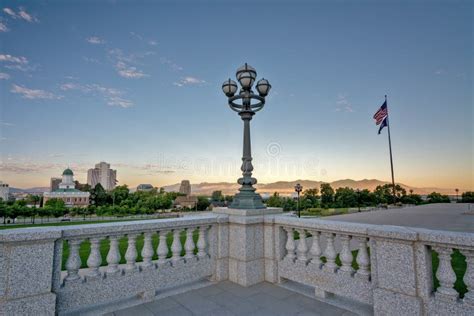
{"x":138,"y":85}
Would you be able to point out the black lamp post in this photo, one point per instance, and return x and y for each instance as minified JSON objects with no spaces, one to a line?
{"x":246,"y":103}
{"x":457,"y":194}
{"x":298,"y":189}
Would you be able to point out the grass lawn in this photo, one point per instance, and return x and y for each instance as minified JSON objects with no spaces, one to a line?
{"x":71,"y":223}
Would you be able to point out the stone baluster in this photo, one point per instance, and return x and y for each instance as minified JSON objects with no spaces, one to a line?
{"x":131,"y":254}
{"x":189,"y":244}
{"x":73,"y":263}
{"x":346,"y":256}
{"x":94,"y":260}
{"x":330,"y":254}
{"x":445,"y":275}
{"x":290,"y":244}
{"x":202,"y":243}
{"x":363,"y":260}
{"x":113,"y":256}
{"x":162,"y":249}
{"x":469,"y":277}
{"x":315,"y":250}
{"x":176,"y":246}
{"x":302,"y":248}
{"x":147,"y":251}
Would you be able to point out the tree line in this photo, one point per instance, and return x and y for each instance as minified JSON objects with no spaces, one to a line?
{"x":117,"y":202}
{"x":327,"y":197}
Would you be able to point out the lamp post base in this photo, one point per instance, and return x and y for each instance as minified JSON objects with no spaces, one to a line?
{"x":247,"y":199}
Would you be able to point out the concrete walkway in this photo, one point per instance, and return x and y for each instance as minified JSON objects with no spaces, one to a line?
{"x":446,"y":216}
{"x":227,"y":298}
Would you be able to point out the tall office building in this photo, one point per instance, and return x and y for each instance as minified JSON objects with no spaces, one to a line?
{"x":185,"y":187}
{"x":102,"y":174}
{"x":4,"y":191}
{"x":54,"y":184}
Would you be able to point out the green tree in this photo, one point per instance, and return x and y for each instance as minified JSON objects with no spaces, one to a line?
{"x":3,"y":211}
{"x":345,"y":197}
{"x":98,"y":195}
{"x":435,"y":197}
{"x":327,"y":195}
{"x":202,"y":203}
{"x":467,"y":197}
{"x":119,"y":194}
{"x":275,"y":200}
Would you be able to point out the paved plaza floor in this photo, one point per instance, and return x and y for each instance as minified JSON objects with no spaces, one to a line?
{"x":227,"y":298}
{"x":446,"y":216}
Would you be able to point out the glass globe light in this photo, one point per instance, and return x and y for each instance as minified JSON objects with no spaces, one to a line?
{"x":246,"y":76}
{"x":263,"y":87}
{"x":229,"y":87}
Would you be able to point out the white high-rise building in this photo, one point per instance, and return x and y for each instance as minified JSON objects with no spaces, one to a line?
{"x":4,"y":191}
{"x":102,"y":174}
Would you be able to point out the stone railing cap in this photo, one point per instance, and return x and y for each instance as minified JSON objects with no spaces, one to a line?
{"x":30,"y":234}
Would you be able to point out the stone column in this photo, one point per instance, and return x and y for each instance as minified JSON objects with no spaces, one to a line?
{"x":250,"y":245}
{"x":395,"y":277}
{"x":27,"y":266}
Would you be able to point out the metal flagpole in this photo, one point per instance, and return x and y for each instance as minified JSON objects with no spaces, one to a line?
{"x":390,"y":147}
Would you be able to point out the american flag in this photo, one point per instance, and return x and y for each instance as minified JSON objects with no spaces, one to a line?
{"x":381,"y":113}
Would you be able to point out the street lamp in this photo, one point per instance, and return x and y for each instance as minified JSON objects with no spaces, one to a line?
{"x":298,"y":189}
{"x":246,"y":104}
{"x":457,"y":194}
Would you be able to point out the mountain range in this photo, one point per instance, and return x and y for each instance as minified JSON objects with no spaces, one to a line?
{"x":287,"y":187}
{"x":282,"y":187}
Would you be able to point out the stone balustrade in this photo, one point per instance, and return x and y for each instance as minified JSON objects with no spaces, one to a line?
{"x":387,"y":267}
{"x":106,"y":267}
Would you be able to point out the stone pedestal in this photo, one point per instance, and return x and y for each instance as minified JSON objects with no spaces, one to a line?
{"x":26,"y":265}
{"x":250,"y":245}
{"x":395,"y":281}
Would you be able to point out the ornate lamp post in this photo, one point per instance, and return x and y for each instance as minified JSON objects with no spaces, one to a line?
{"x":246,"y":104}
{"x":298,"y":189}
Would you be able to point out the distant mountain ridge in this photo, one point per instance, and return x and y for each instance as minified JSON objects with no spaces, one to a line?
{"x":287,"y":187}
{"x":282,"y":187}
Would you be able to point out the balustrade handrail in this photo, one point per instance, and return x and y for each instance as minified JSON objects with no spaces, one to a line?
{"x":453,"y":239}
{"x":105,"y":229}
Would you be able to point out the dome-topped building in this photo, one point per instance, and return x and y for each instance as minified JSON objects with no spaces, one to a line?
{"x":67,"y":191}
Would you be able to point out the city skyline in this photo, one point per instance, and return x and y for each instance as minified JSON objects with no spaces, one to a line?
{"x":145,"y":96}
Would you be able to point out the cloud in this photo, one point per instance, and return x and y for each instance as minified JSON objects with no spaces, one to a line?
{"x":95,"y":40}
{"x":22,"y":15}
{"x":343,"y":105}
{"x":152,"y":43}
{"x":186,"y":81}
{"x":125,"y":65}
{"x":4,"y":76}
{"x":3,"y":27}
{"x":112,"y":96}
{"x":129,"y":71}
{"x":16,"y":62}
{"x":10,"y":12}
{"x":33,"y":94}
{"x":439,"y":72}
{"x":13,"y":59}
{"x":26,"y":16}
